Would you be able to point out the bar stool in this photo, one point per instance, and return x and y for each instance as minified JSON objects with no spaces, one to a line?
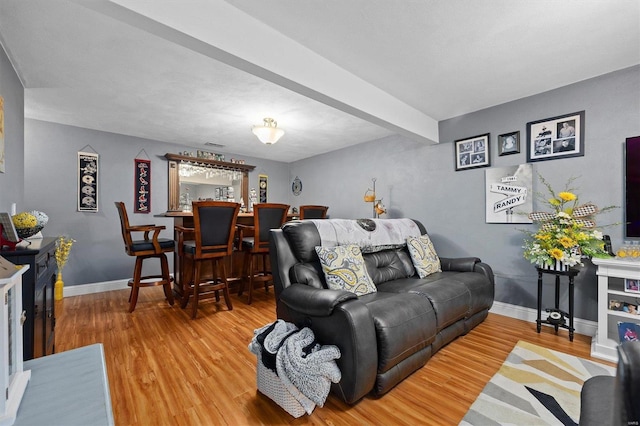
{"x":214,"y":230}
{"x":266,"y":216}
{"x":146,"y":248}
{"x":313,"y":212}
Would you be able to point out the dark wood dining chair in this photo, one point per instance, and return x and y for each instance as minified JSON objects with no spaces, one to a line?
{"x":266,"y":216}
{"x":150,"y":246}
{"x":214,"y":227}
{"x":313,"y":212}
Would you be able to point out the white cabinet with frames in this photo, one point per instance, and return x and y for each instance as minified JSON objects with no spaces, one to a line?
{"x":612,"y":274}
{"x":13,"y":378}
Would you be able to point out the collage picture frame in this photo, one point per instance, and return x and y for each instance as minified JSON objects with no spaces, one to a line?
{"x":556,"y":137}
{"x":473,"y":152}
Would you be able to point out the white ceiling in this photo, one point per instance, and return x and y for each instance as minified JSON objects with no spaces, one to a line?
{"x":333,"y":73}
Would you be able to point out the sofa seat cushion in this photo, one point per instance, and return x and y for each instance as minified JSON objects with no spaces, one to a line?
{"x":404,"y":325}
{"x":450,"y":299}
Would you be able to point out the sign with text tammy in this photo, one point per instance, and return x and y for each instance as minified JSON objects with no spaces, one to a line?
{"x":508,"y":194}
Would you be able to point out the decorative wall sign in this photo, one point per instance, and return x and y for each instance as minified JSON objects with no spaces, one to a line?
{"x":87,"y":182}
{"x":557,"y":137}
{"x":472,"y":152}
{"x":142,"y":185}
{"x":262,"y":179}
{"x":509,"y":194}
{"x":1,"y":134}
{"x":296,"y":186}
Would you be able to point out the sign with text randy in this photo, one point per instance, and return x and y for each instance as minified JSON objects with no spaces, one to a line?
{"x":509,"y":194}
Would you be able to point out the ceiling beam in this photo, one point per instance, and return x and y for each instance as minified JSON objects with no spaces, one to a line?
{"x":218,"y":30}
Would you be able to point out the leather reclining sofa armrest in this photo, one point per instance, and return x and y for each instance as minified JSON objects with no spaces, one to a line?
{"x":312,"y":301}
{"x":467,"y":264}
{"x":459,"y":264}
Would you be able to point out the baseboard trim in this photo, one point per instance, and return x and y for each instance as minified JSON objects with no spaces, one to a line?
{"x":582,"y":326}
{"x":79,"y":290}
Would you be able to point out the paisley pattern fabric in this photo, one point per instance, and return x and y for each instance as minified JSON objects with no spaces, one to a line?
{"x":344,"y":269}
{"x":423,"y":255}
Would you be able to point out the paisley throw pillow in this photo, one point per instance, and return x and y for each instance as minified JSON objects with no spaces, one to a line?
{"x":344,"y":269}
{"x":423,"y":255}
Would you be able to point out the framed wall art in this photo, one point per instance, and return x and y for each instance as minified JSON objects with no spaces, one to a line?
{"x":509,"y":143}
{"x":87,"y":182}
{"x":262,"y":183}
{"x":1,"y":134}
{"x":472,"y":152}
{"x":556,"y":137}
{"x":142,"y":186}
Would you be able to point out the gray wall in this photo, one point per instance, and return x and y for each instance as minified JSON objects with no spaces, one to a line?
{"x":51,"y":186}
{"x":420,"y":181}
{"x":12,"y":180}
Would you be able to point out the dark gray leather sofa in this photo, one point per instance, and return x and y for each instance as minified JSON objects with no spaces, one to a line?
{"x":608,"y":400}
{"x":384,"y":336}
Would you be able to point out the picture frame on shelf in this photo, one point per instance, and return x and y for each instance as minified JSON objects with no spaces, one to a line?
{"x":509,"y":143}
{"x":473,"y":152}
{"x":556,"y":137}
{"x":631,"y":285}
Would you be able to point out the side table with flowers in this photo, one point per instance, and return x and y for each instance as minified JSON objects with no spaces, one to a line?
{"x":565,"y":236}
{"x":63,"y":248}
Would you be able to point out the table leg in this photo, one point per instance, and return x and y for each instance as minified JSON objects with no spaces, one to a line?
{"x":571,"y":308}
{"x":539,"y":319}
{"x":557,"y":297}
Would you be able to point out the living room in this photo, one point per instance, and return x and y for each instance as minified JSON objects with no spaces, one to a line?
{"x":415,"y":180}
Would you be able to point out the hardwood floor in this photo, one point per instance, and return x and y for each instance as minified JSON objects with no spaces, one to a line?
{"x":165,"y":368}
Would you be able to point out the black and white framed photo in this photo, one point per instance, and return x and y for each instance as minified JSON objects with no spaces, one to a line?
{"x":509,"y":143}
{"x":473,"y":152}
{"x":556,"y":137}
{"x":631,"y":286}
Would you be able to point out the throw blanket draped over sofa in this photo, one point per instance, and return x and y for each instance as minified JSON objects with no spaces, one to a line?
{"x":392,"y":328}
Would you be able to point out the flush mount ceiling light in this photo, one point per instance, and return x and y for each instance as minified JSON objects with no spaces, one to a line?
{"x":268,"y":133}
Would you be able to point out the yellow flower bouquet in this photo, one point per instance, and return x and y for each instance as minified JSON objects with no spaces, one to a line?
{"x":29,"y":223}
{"x":63,"y":248}
{"x":567,"y":233}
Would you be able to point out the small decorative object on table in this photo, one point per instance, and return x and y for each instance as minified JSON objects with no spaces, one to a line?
{"x":28,"y":224}
{"x":63,"y":248}
{"x":566,"y":234}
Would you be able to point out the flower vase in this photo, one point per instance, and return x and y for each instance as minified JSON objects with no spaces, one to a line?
{"x":59,"y":287}
{"x":557,"y":266}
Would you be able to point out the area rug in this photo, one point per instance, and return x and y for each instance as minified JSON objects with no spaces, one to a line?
{"x":534,"y":386}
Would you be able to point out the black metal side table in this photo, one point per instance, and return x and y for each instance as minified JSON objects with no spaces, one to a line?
{"x":557,"y":318}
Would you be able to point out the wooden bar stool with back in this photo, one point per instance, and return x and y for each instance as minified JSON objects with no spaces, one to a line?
{"x":313,"y":212}
{"x":214,"y":231}
{"x":146,"y":248}
{"x":266,"y":216}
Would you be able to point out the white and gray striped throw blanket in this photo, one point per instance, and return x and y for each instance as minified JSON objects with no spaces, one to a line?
{"x":305,"y":367}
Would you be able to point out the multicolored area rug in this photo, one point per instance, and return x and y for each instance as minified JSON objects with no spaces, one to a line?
{"x":534,"y":386}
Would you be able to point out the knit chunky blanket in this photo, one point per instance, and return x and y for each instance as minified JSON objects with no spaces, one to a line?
{"x":370,"y":235}
{"x":305,"y":367}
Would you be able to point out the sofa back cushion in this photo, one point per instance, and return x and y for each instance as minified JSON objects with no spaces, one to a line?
{"x":388,"y":265}
{"x":303,"y":237}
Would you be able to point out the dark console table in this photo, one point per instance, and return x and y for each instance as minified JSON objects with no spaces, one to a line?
{"x":37,"y":294}
{"x":557,"y":318}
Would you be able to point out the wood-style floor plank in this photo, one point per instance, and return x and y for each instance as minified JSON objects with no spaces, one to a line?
{"x":165,"y":368}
